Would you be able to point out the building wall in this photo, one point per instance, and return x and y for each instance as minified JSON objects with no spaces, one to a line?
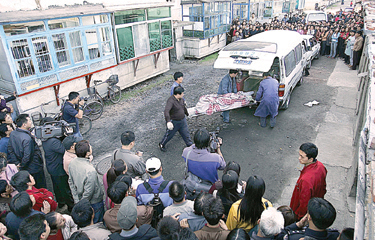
{"x":5,"y":73}
{"x":198,"y":48}
{"x":146,"y":69}
{"x":179,"y":43}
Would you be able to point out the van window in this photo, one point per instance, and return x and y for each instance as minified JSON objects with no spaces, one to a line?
{"x":298,"y":51}
{"x":252,"y":46}
{"x":290,"y":63}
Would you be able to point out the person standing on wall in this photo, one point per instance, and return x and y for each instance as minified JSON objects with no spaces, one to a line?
{"x":228,"y":85}
{"x":174,"y":113}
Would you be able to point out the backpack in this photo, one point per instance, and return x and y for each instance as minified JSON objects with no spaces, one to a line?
{"x":156,"y":202}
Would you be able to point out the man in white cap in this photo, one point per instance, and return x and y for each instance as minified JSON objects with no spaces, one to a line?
{"x":155,"y":184}
{"x":127,"y":219}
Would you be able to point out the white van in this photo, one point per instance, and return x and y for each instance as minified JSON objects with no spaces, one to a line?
{"x":278,"y":52}
{"x":312,"y":49}
{"x":316,"y":16}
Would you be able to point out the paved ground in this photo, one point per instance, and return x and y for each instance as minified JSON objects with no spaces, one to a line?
{"x":269,"y":153}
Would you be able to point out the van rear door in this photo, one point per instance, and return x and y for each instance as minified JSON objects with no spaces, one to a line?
{"x":247,"y":55}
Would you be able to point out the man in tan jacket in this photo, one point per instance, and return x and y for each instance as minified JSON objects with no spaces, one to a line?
{"x":357,"y":49}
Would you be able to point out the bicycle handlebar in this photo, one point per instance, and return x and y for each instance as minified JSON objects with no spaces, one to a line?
{"x":97,"y":81}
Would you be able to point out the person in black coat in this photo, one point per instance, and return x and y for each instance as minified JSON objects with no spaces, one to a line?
{"x":320,"y":216}
{"x":54,"y":152}
{"x":24,"y":151}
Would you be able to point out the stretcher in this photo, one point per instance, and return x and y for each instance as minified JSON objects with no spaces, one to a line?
{"x":213,"y":103}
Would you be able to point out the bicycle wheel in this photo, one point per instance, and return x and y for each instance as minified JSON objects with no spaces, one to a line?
{"x":114,"y":94}
{"x":93,"y":110}
{"x":85,"y":124}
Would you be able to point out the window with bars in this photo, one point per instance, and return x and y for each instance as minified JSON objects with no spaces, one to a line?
{"x":42,"y":54}
{"x":61,"y":49}
{"x":46,"y":49}
{"x":22,"y":56}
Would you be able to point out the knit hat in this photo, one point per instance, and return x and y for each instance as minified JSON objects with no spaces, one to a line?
{"x":127,"y":214}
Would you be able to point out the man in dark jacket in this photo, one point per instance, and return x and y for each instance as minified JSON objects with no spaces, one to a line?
{"x":228,"y":85}
{"x":21,"y":207}
{"x":54,"y":152}
{"x":174,"y":113}
{"x":320,"y":216}
{"x":24,"y":151}
{"x":127,"y":219}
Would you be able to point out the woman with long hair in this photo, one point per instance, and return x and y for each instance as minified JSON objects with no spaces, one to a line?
{"x":230,"y":166}
{"x":334,"y":40}
{"x":118,"y":167}
{"x":344,"y":35}
{"x":228,"y":193}
{"x":245,"y":212}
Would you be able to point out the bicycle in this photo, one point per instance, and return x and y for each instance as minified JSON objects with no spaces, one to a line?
{"x":84,"y":123}
{"x":113,"y":93}
{"x":93,"y":110}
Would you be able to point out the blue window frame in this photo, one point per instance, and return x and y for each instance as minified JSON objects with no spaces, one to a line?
{"x":210,"y":19}
{"x":46,"y":52}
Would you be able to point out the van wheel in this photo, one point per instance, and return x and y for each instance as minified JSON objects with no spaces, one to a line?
{"x":309,"y":65}
{"x":285,"y":105}
{"x":300,"y":82}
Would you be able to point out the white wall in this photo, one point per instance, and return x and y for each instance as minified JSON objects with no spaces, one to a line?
{"x":199,"y":48}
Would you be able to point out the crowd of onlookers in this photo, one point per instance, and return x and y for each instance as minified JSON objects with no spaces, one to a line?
{"x":340,"y":36}
{"x":132,"y":200}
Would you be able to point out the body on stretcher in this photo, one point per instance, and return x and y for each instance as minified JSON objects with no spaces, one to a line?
{"x":212,"y":103}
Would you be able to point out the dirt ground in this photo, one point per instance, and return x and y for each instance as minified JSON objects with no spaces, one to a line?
{"x":269,"y":153}
{"x":142,"y":106}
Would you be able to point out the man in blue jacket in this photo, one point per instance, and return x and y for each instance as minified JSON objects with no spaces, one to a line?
{"x":228,"y":85}
{"x":178,"y":78}
{"x":156,"y":184}
{"x":269,"y":100}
